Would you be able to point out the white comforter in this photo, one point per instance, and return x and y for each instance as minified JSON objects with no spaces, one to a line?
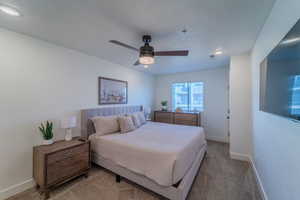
{"x":159,"y":151}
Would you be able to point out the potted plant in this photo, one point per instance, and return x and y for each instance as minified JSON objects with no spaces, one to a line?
{"x":47,"y":132}
{"x":164,"y":105}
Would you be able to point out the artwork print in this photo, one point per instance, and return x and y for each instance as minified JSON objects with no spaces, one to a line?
{"x":112,"y":91}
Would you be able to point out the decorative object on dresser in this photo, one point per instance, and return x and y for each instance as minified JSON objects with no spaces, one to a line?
{"x":183,"y":118}
{"x":60,"y":162}
{"x":47,"y":132}
{"x":112,"y":91}
{"x":68,"y":123}
{"x":179,"y":110}
{"x":164,"y":105}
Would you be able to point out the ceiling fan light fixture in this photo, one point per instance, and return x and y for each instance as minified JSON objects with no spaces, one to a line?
{"x":147,"y":53}
{"x":146,"y":60}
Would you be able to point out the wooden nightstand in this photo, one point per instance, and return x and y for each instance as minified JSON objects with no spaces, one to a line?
{"x":60,"y":162}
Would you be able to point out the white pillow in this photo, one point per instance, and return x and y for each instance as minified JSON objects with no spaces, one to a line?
{"x":126,"y":124}
{"x":106,"y":124}
{"x":142,"y":118}
{"x":136,"y":120}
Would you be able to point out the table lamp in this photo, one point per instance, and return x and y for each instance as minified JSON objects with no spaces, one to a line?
{"x":68,"y":123}
{"x":148,"y":113}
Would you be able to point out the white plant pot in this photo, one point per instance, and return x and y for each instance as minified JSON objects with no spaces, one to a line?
{"x":47,"y":142}
{"x":164,"y":108}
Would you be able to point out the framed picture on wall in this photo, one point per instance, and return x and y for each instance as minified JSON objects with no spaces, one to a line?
{"x":112,"y":91}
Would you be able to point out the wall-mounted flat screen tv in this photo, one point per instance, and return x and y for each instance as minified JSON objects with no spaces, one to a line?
{"x":280,"y":77}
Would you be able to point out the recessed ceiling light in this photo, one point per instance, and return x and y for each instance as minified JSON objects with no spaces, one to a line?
{"x":10,"y":11}
{"x":291,"y":40}
{"x":218,"y":52}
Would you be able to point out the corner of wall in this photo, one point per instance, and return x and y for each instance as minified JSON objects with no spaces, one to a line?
{"x":262,"y":191}
{"x":250,"y":160}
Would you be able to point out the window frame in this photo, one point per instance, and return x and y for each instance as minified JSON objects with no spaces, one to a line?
{"x":189,"y":90}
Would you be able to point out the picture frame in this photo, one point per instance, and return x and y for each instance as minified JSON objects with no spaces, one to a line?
{"x":112,"y":91}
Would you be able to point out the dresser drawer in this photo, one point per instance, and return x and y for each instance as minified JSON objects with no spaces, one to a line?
{"x":67,"y":167}
{"x":165,"y":117}
{"x":186,"y":119}
{"x":67,"y":153}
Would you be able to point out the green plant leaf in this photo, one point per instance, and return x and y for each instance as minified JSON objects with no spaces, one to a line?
{"x":47,"y":132}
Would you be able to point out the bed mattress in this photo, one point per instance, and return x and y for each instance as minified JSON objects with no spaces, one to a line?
{"x":162,"y":152}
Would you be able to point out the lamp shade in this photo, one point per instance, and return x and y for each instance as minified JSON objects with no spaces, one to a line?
{"x":146,"y":60}
{"x":68,"y":122}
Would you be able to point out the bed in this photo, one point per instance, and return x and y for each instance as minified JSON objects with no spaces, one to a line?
{"x":161,"y":157}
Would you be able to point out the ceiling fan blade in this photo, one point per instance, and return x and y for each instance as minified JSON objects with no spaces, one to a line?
{"x":123,"y":45}
{"x":137,"y":63}
{"x":171,"y":53}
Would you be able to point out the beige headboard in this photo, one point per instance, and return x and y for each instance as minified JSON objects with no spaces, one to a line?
{"x":87,"y":126}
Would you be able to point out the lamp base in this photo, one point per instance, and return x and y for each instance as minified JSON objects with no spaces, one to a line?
{"x":68,"y":135}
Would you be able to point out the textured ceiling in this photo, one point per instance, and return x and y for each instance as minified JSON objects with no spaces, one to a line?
{"x":88,"y":25}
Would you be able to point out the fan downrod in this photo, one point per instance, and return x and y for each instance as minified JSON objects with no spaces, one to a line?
{"x":147,"y":38}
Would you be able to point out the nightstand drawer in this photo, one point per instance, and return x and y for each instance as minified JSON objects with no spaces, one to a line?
{"x":67,"y":167}
{"x":67,"y":153}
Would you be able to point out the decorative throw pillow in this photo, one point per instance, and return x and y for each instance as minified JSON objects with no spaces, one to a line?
{"x":126,"y":124}
{"x":106,"y":124}
{"x":136,"y":120}
{"x":142,"y":117}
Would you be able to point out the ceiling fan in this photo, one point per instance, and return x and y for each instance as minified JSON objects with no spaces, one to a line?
{"x":147,"y":52}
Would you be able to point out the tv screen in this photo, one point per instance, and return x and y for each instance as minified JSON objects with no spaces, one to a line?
{"x":280,"y":77}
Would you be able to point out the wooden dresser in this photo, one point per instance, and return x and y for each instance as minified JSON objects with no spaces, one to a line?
{"x":60,"y":162}
{"x":183,"y":118}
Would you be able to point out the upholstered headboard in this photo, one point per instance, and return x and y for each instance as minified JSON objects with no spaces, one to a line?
{"x":87,"y":126}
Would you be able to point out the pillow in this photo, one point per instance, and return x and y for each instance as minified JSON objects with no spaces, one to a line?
{"x":126,"y":124}
{"x":142,"y":118}
{"x":106,"y":124}
{"x":136,"y":120}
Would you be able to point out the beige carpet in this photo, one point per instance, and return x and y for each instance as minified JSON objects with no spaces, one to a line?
{"x":219,"y":178}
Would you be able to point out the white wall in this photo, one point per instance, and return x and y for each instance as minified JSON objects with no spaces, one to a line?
{"x":215,"y":98}
{"x":40,"y":81}
{"x":240,"y":106}
{"x":276,"y":140}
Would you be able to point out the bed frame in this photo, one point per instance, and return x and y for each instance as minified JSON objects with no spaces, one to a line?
{"x":175,"y":192}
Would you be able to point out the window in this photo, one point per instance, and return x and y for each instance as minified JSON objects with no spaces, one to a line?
{"x":188,"y":96}
{"x":295,"y":107}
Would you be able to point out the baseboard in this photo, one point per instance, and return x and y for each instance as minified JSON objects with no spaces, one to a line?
{"x":262,"y":191}
{"x":15,"y":189}
{"x":216,"y":139}
{"x":239,"y":156}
